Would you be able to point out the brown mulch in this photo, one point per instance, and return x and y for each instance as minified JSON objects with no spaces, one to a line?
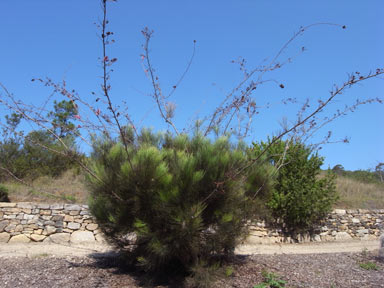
{"x":104,"y":270}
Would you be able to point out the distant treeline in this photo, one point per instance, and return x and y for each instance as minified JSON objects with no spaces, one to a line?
{"x":365,"y":176}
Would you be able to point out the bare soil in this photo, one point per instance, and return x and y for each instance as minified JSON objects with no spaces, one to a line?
{"x":315,"y":265}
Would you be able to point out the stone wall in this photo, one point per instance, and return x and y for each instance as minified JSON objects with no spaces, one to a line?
{"x":37,"y":222}
{"x":69,"y":223}
{"x":340,"y":225}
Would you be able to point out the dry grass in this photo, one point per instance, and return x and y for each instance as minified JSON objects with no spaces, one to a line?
{"x":69,"y":188}
{"x":355,"y":194}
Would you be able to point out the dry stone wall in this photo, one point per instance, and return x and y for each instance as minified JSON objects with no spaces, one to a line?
{"x":340,"y":225}
{"x":72,"y":224}
{"x":37,"y":222}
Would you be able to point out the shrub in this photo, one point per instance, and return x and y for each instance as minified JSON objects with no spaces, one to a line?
{"x":300,"y":198}
{"x":271,"y":280}
{"x":173,"y":202}
{"x":4,"y":194}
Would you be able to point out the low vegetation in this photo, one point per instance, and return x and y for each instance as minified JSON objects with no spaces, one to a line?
{"x":271,"y":280}
{"x":369,"y":266}
{"x":69,"y":187}
{"x":3,"y":194}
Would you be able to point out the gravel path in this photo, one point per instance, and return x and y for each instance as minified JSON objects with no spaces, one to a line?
{"x":311,"y":265}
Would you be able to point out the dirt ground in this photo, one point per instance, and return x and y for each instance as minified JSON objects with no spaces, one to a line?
{"x":332,"y":264}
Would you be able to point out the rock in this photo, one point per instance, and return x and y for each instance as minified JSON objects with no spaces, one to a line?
{"x":38,"y":231}
{"x":59,"y":224}
{"x":57,"y":218}
{"x":43,"y":206}
{"x":10,"y":228}
{"x":82,"y":237}
{"x":363,"y":211}
{"x":60,"y":238}
{"x":3,"y":224}
{"x":100,"y":239}
{"x":74,"y":212}
{"x":355,"y":220}
{"x":26,"y":205}
{"x":7,"y":205}
{"x":342,"y":236}
{"x":343,"y":228}
{"x":92,"y":227}
{"x":4,"y":237}
{"x":73,"y":225}
{"x":340,"y":211}
{"x":19,"y":228}
{"x":352,"y":211}
{"x":28,"y":217}
{"x":49,"y":223}
{"x":45,"y":212}
{"x":49,"y":230}
{"x":19,"y":239}
{"x":72,"y":207}
{"x":37,"y":238}
{"x":57,"y":206}
{"x":68,"y":218}
{"x":362,"y":232}
{"x":253,"y":233}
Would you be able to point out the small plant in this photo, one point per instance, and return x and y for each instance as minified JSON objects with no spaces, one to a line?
{"x":3,"y":194}
{"x":369,"y":266}
{"x":271,"y":280}
{"x":229,"y":271}
{"x":300,"y":198}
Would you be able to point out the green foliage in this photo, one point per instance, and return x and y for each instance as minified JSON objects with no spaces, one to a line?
{"x":179,"y":196}
{"x":3,"y":194}
{"x":39,"y":152}
{"x":61,"y":115}
{"x":364,"y":176}
{"x":300,"y":198}
{"x":39,"y":156}
{"x":271,"y":280}
{"x":369,"y":266}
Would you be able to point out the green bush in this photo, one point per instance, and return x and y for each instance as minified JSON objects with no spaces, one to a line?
{"x":174,"y":202}
{"x":301,"y":198}
{"x":4,"y":194}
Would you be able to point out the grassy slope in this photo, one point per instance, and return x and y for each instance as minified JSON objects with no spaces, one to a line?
{"x":356,"y":194}
{"x":70,"y":188}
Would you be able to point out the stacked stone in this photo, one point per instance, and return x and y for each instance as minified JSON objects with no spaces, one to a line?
{"x":344,"y":224}
{"x":59,"y":223}
{"x":340,"y":225}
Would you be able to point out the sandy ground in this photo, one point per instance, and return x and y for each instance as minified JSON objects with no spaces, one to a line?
{"x":309,"y":248}
{"x":31,"y":250}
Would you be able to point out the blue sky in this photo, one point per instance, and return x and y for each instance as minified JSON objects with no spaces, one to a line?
{"x":58,"y":39}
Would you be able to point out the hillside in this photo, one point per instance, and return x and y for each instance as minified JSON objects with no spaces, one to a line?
{"x":70,"y":188}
